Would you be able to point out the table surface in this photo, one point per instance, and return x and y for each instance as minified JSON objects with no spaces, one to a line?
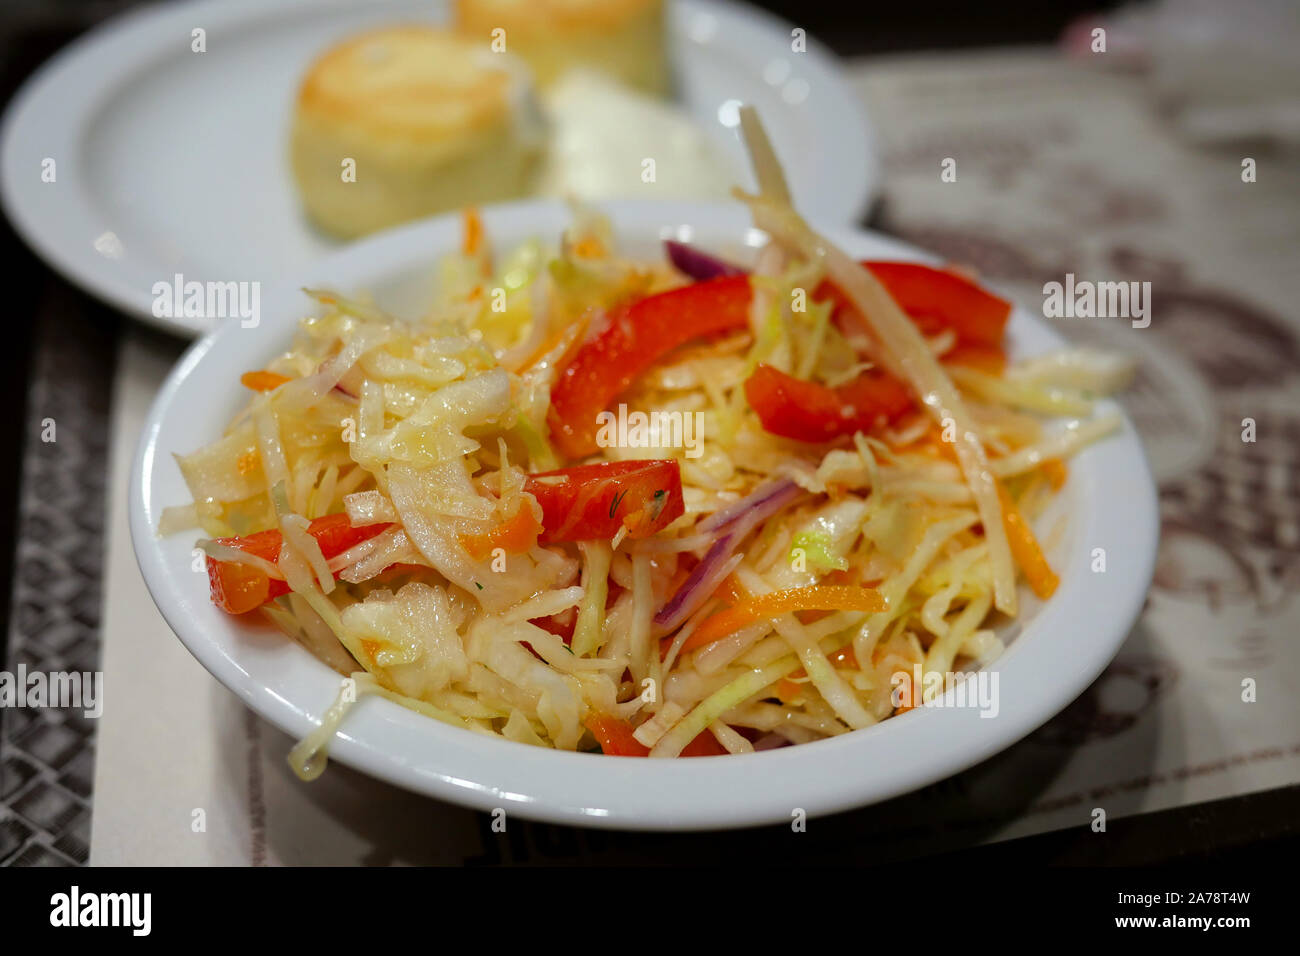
{"x":63,"y":354}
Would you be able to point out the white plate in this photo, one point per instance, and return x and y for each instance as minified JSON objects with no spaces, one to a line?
{"x":169,"y":161}
{"x":1061,"y":647}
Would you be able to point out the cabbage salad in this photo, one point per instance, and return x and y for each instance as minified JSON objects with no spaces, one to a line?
{"x":441,"y":510}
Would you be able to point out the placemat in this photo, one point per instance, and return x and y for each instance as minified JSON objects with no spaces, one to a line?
{"x":47,"y":754}
{"x":1060,"y":169}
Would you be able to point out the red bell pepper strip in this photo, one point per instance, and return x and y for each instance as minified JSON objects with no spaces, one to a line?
{"x":238,"y":588}
{"x":639,"y":335}
{"x":589,"y":501}
{"x":595,"y":501}
{"x":936,"y":299}
{"x":811,"y":412}
{"x":704,"y":745}
{"x":633,"y":340}
{"x":615,"y":738}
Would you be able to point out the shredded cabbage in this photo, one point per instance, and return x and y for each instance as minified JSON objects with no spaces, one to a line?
{"x":431,"y":428}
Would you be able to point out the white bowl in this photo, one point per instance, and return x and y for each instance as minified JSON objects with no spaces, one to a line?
{"x":1057,"y":650}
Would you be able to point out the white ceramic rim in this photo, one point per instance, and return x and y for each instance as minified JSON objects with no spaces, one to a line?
{"x":73,"y":85}
{"x":1058,"y":654}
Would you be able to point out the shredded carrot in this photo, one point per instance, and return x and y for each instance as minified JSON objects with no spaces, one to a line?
{"x":836,"y":576}
{"x":1056,"y":472}
{"x":1025,"y":549}
{"x":788,"y":690}
{"x":515,"y":535}
{"x":845,"y":657}
{"x":473,"y":241}
{"x":777,"y":603}
{"x":731,"y":590}
{"x":262,"y":380}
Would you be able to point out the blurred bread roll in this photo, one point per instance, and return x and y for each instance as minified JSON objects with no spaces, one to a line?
{"x":428,"y":121}
{"x":623,"y":39}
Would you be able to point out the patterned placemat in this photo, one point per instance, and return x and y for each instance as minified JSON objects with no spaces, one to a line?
{"x":47,"y":754}
{"x":1059,"y":169}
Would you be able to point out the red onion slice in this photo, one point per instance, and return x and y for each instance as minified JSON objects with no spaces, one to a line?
{"x":768,"y":498}
{"x":735,"y":523}
{"x":699,"y":265}
{"x":695,"y":590}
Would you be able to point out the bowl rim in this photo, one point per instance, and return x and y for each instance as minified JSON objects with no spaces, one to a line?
{"x":1090,"y":614}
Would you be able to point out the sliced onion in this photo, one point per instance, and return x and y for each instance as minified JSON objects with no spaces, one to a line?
{"x":296,"y":541}
{"x":702,"y":582}
{"x":389,"y":548}
{"x":306,"y":392}
{"x":539,"y":325}
{"x":699,"y":265}
{"x":773,"y":495}
{"x":735,"y":522}
{"x":224,"y":552}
